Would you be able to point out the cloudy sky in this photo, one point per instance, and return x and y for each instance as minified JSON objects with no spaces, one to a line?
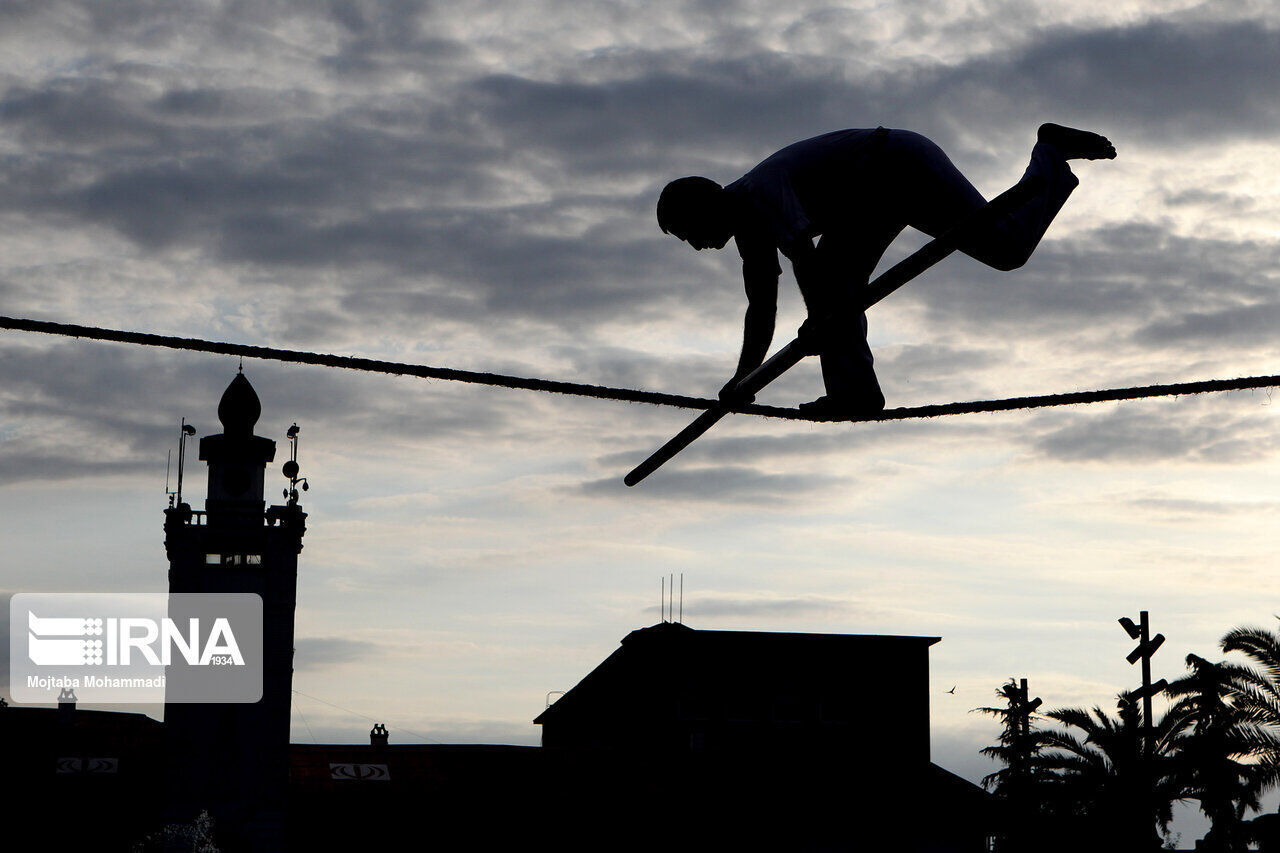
{"x":472,"y":185}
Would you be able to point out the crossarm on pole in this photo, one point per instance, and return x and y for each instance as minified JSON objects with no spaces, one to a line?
{"x":887,"y":282}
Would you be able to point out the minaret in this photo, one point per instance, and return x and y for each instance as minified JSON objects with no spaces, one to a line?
{"x":232,"y":760}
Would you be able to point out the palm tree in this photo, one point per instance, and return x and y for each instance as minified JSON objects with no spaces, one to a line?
{"x":1017,"y":784}
{"x":1102,"y":780}
{"x":1256,"y":695}
{"x":1227,"y":758}
{"x":1018,"y":744}
{"x":1255,"y":691}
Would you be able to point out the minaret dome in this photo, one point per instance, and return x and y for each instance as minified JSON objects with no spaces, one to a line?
{"x":239,"y":408}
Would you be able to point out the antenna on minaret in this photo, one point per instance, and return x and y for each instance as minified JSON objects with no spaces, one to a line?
{"x":186,"y":430}
{"x":290,"y":468}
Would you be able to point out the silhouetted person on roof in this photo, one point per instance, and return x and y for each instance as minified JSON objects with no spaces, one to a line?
{"x":855,"y":190}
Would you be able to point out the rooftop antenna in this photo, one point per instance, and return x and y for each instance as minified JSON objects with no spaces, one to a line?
{"x":681,"y":619}
{"x":671,"y":593}
{"x":662,"y":600}
{"x":187,"y":429}
{"x":168,"y":458}
{"x":290,"y":468}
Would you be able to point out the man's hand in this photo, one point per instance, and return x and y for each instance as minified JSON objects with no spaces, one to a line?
{"x":732,"y":397}
{"x":813,"y":335}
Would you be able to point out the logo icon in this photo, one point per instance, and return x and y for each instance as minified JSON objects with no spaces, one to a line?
{"x":46,"y":651}
{"x":182,"y":647}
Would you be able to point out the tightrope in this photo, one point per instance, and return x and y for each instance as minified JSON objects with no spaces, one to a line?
{"x":628,"y":395}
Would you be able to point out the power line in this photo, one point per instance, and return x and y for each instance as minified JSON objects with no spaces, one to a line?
{"x":358,"y":714}
{"x":628,"y":395}
{"x":304,"y":721}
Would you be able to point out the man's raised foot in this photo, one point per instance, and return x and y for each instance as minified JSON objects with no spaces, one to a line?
{"x":1077,"y":144}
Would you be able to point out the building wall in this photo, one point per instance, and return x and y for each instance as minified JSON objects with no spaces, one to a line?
{"x":864,"y":698}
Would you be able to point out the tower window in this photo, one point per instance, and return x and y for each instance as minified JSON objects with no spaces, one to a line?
{"x":233,"y":559}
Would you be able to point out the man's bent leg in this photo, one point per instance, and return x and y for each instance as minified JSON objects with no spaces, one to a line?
{"x":1008,"y":244}
{"x":848,"y":367}
{"x":935,"y":196}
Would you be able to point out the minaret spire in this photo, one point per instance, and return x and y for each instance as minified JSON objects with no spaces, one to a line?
{"x":237,"y":458}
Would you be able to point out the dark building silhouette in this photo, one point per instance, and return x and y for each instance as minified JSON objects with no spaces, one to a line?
{"x":674,"y":689}
{"x":799,"y":741}
{"x":681,"y":739}
{"x":232,"y":760}
{"x":79,"y":777}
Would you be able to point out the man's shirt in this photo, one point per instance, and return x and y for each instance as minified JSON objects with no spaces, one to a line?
{"x":798,"y":193}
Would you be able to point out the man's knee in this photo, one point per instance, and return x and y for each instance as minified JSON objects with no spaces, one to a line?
{"x":1000,"y":256}
{"x":1010,"y":261}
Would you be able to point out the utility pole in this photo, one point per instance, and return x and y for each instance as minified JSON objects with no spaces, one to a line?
{"x":1019,"y":796}
{"x":1022,"y":710}
{"x":1147,"y":646}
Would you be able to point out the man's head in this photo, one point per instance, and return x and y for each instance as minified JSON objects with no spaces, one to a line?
{"x":693,"y":209}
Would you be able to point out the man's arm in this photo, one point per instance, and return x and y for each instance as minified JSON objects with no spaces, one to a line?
{"x":757,"y":326}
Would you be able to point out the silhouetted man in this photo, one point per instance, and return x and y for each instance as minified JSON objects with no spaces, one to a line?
{"x":855,"y":190}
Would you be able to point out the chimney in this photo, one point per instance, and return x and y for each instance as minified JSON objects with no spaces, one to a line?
{"x":378,"y":735}
{"x":66,"y":706}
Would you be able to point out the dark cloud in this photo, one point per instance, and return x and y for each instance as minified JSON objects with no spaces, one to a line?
{"x":1138,"y":285}
{"x":185,"y":182}
{"x":311,"y":194}
{"x":1182,"y":507}
{"x":315,"y":653}
{"x":1241,"y":325}
{"x":1218,"y":200}
{"x":931,"y":372}
{"x":818,"y":440}
{"x":78,"y":114}
{"x":1150,"y":433}
{"x":80,"y":410}
{"x":1170,"y":83}
{"x":389,"y":38}
{"x":728,"y":484}
{"x":809,"y":605}
{"x":434,"y":185}
{"x":20,"y":463}
{"x":917,"y":359}
{"x":608,"y":127}
{"x":622,"y":367}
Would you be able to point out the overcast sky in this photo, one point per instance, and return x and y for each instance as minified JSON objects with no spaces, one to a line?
{"x":471,"y":184}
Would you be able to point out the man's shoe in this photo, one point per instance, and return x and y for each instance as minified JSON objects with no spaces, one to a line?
{"x":843,"y":407}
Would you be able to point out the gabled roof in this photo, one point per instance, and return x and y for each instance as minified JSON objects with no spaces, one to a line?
{"x":672,"y":640}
